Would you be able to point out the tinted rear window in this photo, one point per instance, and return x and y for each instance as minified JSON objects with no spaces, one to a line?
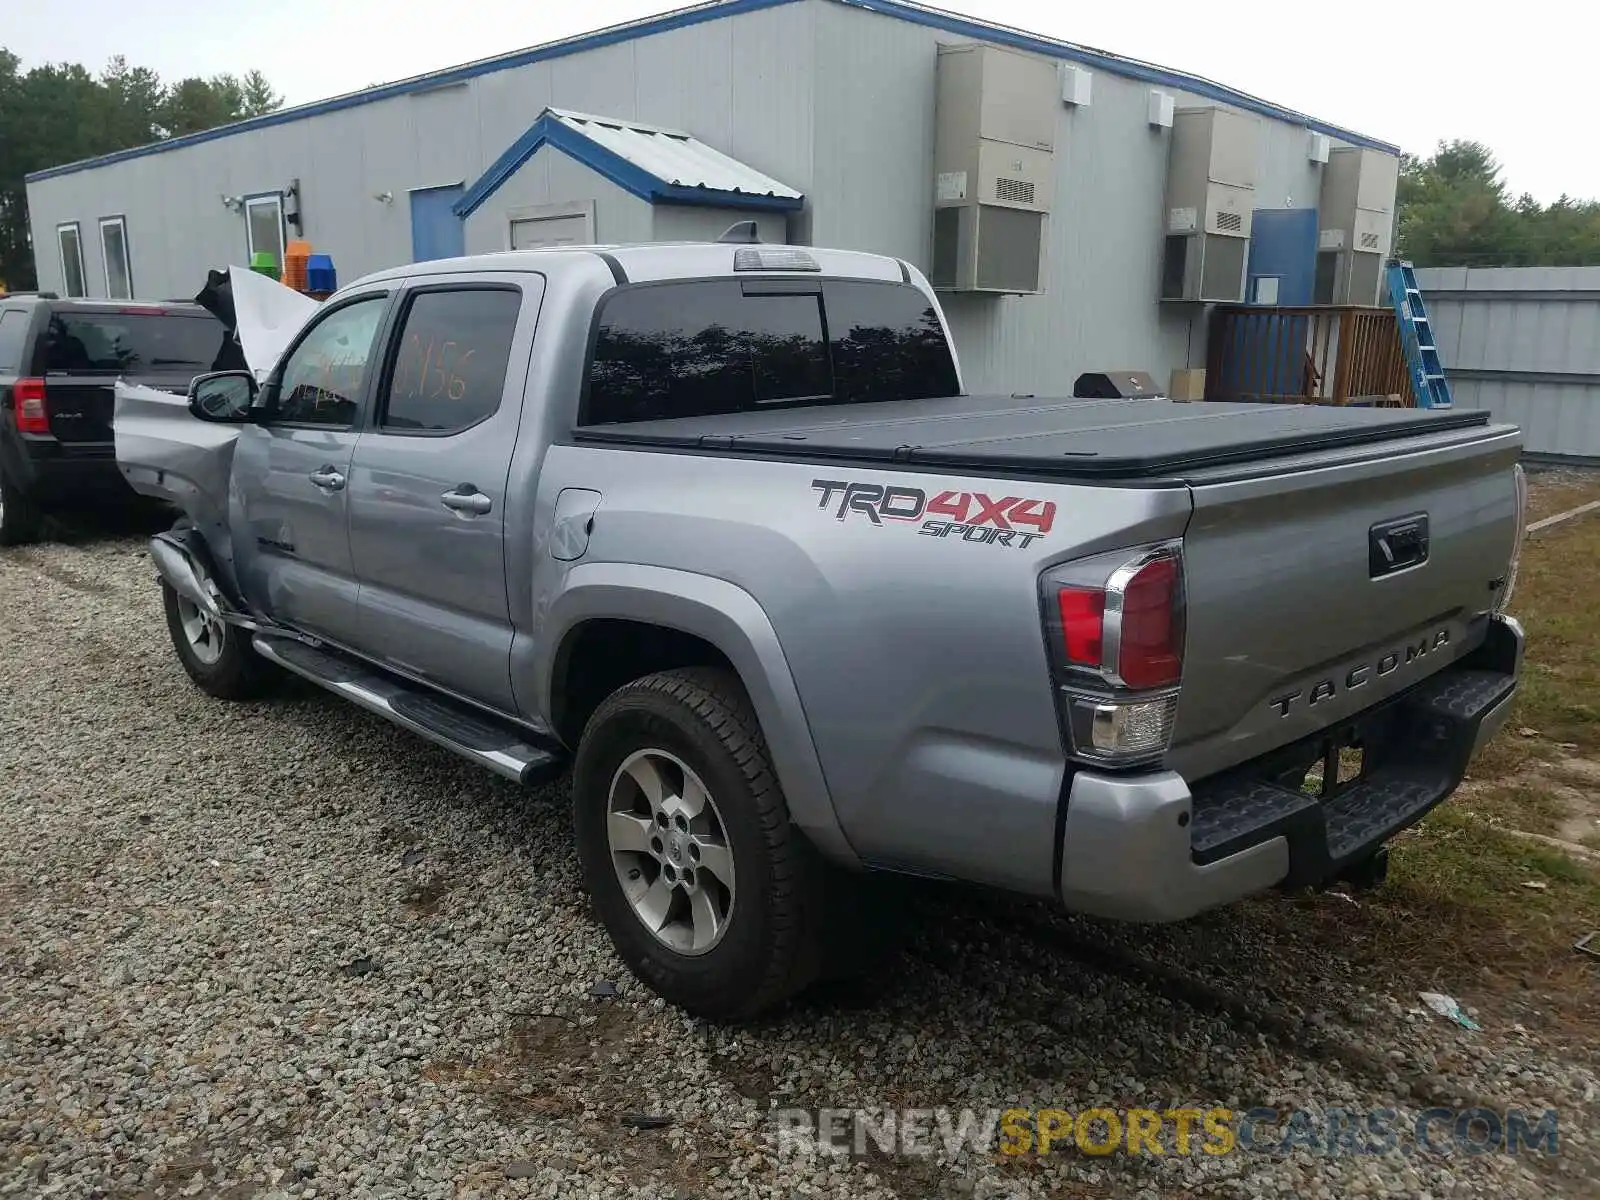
{"x":125,"y":342}
{"x":13,"y":332}
{"x":721,"y":346}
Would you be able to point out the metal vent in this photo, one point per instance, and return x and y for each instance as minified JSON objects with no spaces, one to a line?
{"x":1014,"y":191}
{"x":1229,"y":222}
{"x":1369,"y":241}
{"x":1010,"y":244}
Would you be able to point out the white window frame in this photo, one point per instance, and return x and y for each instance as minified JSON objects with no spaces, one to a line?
{"x":275,"y":200}
{"x":121,"y":222}
{"x":61,"y":249}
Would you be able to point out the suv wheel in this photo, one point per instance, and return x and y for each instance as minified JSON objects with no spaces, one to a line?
{"x":216,"y":655}
{"x":708,"y":892}
{"x":20,"y":518}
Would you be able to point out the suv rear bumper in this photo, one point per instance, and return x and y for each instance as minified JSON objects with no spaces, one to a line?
{"x":1151,"y":848}
{"x":60,"y":474}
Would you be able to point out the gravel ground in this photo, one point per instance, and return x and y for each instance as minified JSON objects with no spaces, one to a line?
{"x":282,"y":949}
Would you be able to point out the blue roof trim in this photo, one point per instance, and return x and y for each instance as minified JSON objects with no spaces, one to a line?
{"x":679,"y":19}
{"x":967,"y":27}
{"x":971,"y":27}
{"x":549,"y":130}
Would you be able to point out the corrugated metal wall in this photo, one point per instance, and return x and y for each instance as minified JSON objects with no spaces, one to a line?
{"x":1524,"y":343}
{"x":834,"y":100}
{"x":872,"y":179}
{"x":742,"y":84}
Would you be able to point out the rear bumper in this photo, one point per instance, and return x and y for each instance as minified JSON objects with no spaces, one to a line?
{"x":1151,"y":848}
{"x":62,"y":474}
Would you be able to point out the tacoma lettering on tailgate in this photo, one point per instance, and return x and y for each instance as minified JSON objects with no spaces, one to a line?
{"x":1014,"y":521}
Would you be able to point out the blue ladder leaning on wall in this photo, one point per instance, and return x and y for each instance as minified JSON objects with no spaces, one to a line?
{"x":1416,"y":335}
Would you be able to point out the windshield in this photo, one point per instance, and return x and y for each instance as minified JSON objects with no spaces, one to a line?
{"x":132,"y":341}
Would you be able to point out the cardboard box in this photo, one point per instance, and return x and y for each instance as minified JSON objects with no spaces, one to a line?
{"x":1188,"y":384}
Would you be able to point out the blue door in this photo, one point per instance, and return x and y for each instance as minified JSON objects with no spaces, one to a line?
{"x":1281,"y":273}
{"x":1283,"y":256}
{"x":436,"y":231}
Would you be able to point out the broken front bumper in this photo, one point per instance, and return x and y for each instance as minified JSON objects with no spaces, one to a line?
{"x":1151,"y":848}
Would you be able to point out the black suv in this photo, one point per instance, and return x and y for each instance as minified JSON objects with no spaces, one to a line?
{"x":58,"y":361}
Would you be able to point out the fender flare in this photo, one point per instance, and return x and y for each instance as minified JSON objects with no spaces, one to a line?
{"x":729,"y":618}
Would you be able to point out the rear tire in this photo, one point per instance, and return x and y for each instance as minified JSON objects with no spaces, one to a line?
{"x":216,"y":655}
{"x":717,"y":913}
{"x":21,"y":520}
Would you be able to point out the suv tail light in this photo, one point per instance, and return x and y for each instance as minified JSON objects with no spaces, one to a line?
{"x":27,"y":397}
{"x":1115,"y":628}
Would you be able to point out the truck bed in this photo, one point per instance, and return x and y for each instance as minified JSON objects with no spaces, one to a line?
{"x":1057,"y":437}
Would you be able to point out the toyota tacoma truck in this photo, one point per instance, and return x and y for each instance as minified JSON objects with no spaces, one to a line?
{"x":717,"y":528}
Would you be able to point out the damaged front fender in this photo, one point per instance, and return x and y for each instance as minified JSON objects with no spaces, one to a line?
{"x":165,"y":452}
{"x":179,"y":556}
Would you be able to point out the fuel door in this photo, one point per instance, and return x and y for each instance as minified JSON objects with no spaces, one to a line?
{"x":574,"y":521}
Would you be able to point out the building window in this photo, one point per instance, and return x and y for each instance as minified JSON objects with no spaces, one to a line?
{"x":263,"y":223}
{"x":71,"y":259}
{"x":114,"y":254}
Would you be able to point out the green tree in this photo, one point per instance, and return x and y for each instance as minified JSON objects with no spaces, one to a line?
{"x":60,"y":113}
{"x":259,"y":96}
{"x":1455,"y":211}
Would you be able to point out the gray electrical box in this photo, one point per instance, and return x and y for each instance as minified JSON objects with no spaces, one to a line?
{"x":1210,"y":196}
{"x":1355,"y":219}
{"x":994,"y":168}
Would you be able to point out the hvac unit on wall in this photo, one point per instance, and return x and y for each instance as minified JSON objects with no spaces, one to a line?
{"x":1355,"y":221}
{"x":1211,"y":190}
{"x":994,"y":169}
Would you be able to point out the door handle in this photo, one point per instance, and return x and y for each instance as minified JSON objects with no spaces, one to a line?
{"x":328,"y":478}
{"x":467,"y":499}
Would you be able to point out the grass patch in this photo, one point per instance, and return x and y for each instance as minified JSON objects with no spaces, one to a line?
{"x":1558,"y":601}
{"x":1552,"y":492}
{"x":1453,"y":913}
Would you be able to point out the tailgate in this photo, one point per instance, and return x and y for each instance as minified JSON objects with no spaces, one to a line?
{"x":1318,"y":586}
{"x":87,"y":348}
{"x":80,"y":407}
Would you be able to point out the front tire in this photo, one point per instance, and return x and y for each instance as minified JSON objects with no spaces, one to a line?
{"x":216,"y":655}
{"x":709,"y":893}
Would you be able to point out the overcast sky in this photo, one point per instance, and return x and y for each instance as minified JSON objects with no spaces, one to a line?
{"x":1407,"y":73}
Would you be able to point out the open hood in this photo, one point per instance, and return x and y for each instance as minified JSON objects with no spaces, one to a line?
{"x":263,"y":313}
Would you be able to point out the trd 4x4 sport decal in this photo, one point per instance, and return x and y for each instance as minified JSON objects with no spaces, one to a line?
{"x":1014,"y":521}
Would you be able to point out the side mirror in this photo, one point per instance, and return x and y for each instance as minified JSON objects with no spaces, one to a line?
{"x":223,"y":396}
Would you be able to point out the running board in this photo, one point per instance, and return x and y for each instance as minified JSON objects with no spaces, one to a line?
{"x":489,"y":743}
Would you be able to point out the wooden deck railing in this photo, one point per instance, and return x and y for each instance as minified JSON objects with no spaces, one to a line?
{"x":1317,"y":354}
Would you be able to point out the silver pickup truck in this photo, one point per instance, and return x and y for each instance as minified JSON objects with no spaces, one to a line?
{"x":716,"y":527}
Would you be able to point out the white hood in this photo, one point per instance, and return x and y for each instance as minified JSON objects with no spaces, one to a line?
{"x":267,"y":317}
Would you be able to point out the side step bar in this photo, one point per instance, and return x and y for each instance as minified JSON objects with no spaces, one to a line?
{"x":499,"y":747}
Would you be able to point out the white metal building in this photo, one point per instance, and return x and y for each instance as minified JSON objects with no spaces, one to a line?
{"x":1078,"y":209}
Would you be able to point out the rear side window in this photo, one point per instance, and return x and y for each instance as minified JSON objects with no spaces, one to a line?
{"x":13,"y":333}
{"x":707,"y":347}
{"x":132,"y":341}
{"x":887,"y":344}
{"x":450,"y":366}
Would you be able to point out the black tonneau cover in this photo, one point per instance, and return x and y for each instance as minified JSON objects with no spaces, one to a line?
{"x":1067,"y":437}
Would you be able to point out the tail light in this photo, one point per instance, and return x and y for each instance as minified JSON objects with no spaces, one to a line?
{"x":1504,"y":598}
{"x":1115,"y":628}
{"x":27,"y":396}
